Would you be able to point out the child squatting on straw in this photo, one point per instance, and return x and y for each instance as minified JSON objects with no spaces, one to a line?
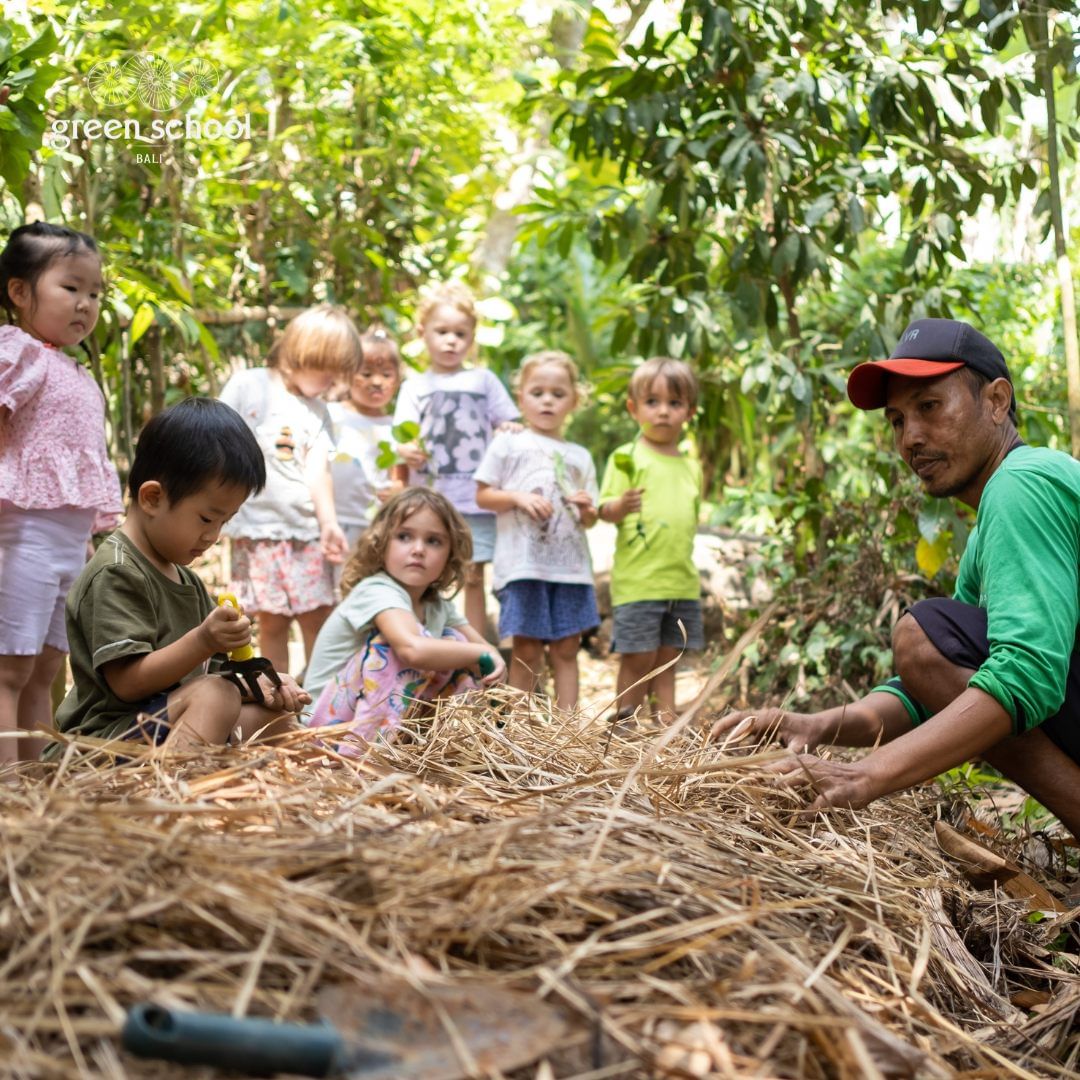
{"x":395,"y":639}
{"x":145,"y":635}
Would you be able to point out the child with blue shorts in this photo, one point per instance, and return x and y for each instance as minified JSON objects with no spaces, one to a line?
{"x":652,"y":492}
{"x":543,"y":491}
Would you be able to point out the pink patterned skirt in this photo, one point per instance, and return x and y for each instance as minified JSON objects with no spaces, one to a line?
{"x":374,"y":692}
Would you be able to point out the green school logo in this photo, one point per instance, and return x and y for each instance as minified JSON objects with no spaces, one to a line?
{"x":160,"y":86}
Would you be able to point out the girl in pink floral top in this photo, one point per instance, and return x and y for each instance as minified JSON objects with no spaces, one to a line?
{"x":56,"y":479}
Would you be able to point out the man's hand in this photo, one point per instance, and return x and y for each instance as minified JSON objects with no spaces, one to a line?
{"x":841,"y":784}
{"x":509,"y":427}
{"x":536,"y":506}
{"x":412,"y":455}
{"x":801,"y":732}
{"x":288,"y":697}
{"x":224,"y":629}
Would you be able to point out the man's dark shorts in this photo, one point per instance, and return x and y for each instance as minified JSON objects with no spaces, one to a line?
{"x":958,"y":632}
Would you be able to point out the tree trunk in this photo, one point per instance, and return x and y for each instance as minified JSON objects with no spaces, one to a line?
{"x":566,"y":35}
{"x":813,"y":462}
{"x":156,"y":362}
{"x":1037,"y":31}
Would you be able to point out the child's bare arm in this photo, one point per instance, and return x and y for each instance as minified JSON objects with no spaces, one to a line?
{"x":499,"y":500}
{"x":498,"y":673}
{"x":414,"y":649}
{"x":321,"y":485}
{"x":133,"y":678}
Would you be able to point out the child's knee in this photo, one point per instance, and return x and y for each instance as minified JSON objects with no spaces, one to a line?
{"x":528,"y":650}
{"x":565,"y":650}
{"x":204,"y":711}
{"x":640,"y":663}
{"x":474,"y":575}
{"x":208,"y":695}
{"x":15,"y":672}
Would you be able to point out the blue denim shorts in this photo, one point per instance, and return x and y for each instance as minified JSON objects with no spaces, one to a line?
{"x":482,"y":527}
{"x":547,"y":610}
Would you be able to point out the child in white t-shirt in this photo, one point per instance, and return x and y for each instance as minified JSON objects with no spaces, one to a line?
{"x":543,"y":490}
{"x":361,"y":421}
{"x":458,"y":410}
{"x":285,"y":538}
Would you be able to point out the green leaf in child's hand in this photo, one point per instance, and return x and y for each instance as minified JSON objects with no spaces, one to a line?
{"x":559,"y":461}
{"x":406,"y":431}
{"x":624,"y":462}
{"x":562,"y":478}
{"x":388,"y":456}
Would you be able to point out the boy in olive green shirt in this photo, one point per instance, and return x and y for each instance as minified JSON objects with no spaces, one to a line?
{"x":653,"y":493}
{"x":145,"y":636}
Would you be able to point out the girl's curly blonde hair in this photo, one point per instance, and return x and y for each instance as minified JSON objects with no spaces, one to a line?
{"x":370,"y":554}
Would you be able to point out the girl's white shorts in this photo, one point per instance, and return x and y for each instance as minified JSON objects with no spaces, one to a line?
{"x":41,"y":554}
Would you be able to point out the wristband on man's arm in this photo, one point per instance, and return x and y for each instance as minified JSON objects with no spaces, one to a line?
{"x":918,"y":712}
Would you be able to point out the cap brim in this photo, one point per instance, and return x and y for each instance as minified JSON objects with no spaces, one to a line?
{"x":866,"y":384}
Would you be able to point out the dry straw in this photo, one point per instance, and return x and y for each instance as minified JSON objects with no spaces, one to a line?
{"x":686,"y":919}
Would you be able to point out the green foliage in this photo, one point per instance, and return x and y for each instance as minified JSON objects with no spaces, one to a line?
{"x":25,"y":77}
{"x":768,"y":137}
{"x":373,"y":132}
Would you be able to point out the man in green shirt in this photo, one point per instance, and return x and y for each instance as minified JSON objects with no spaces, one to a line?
{"x":994,"y":672}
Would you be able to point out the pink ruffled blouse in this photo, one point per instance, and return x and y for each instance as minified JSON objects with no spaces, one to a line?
{"x":52,"y":444}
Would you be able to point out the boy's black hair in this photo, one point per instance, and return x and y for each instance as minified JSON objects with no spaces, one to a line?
{"x":31,"y":249}
{"x":195,"y":443}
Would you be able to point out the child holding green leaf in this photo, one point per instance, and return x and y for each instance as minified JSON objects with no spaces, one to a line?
{"x":457,"y":409}
{"x":363,"y":432}
{"x":652,"y":492}
{"x":543,"y":491}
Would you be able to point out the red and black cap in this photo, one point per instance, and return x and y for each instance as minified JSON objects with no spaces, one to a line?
{"x":927,"y":349}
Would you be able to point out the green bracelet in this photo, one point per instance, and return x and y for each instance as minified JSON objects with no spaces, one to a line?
{"x":485,"y":665}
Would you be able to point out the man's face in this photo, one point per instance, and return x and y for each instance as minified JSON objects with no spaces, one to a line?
{"x":950,"y":437}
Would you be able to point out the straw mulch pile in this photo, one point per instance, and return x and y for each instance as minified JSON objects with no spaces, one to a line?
{"x":658,"y":890}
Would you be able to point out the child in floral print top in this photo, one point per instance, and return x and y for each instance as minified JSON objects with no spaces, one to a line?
{"x":57,"y":482}
{"x":458,"y":409}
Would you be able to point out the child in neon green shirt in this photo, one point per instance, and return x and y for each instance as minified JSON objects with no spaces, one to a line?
{"x":653,"y":493}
